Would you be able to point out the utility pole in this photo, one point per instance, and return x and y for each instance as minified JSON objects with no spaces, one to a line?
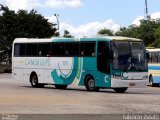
{"x":146,"y":10}
{"x":57,"y":15}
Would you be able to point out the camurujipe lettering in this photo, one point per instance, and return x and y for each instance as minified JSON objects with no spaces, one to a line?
{"x":38,"y":62}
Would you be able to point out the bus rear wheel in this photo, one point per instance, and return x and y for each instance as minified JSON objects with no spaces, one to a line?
{"x":61,"y":86}
{"x":90,"y":84}
{"x":120,"y":90}
{"x":34,"y":82}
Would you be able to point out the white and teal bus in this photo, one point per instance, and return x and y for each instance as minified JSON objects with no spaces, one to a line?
{"x":154,"y":66}
{"x":106,"y":62}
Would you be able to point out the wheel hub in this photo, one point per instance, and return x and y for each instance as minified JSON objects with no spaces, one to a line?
{"x":91,"y":83}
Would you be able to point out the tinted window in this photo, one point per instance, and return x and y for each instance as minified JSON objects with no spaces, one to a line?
{"x":69,"y":49}
{"x":150,"y":57}
{"x":28,"y":49}
{"x":19,"y":50}
{"x":87,"y":49}
{"x":31,"y":49}
{"x":16,"y":50}
{"x":154,"y":57}
{"x":22,"y":49}
{"x":65,"y":49}
{"x":158,"y":57}
{"x":75,"y":49}
{"x":44,"y":49}
{"x":58,"y":49}
{"x":34,"y":49}
{"x":72,"y":49}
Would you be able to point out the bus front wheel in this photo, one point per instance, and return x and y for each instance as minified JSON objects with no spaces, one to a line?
{"x":120,"y":90}
{"x":90,"y":84}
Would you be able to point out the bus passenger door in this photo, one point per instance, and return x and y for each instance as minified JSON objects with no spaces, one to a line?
{"x":103,"y":62}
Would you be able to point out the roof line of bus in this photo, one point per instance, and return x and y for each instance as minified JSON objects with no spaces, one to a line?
{"x":153,"y":49}
{"x":62,"y":39}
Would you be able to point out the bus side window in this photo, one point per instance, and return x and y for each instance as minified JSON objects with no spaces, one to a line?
{"x":19,"y":50}
{"x":82,"y":53}
{"x":49,"y":54}
{"x":81,"y":49}
{"x":40,"y":53}
{"x":150,"y":57}
{"x":153,"y":57}
{"x":68,"y":49}
{"x":58,"y":49}
{"x":45,"y":48}
{"x":16,"y":50}
{"x":75,"y":49}
{"x":158,"y":57}
{"x":87,"y":49}
{"x":29,"y":49}
{"x":34,"y":50}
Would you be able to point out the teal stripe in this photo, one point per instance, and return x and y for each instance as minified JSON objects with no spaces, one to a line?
{"x":154,"y":67}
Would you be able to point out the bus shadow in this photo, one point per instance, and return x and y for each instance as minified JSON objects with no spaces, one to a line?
{"x":100,"y":91}
{"x":71,"y":89}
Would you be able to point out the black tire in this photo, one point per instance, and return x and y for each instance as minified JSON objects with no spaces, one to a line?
{"x":151,"y":81}
{"x":120,"y":90}
{"x":34,"y":80}
{"x":90,"y":84}
{"x":61,"y":86}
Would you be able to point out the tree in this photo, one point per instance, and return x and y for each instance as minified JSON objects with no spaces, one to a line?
{"x":130,"y":31}
{"x":146,"y":31}
{"x":67,"y":34}
{"x":157,"y":36}
{"x":22,"y":24}
{"x":106,"y":32}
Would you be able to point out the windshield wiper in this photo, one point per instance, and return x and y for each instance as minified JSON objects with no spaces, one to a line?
{"x":131,"y":67}
{"x":128,"y":68}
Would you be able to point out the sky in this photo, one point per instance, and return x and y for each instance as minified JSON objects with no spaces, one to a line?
{"x":87,"y":17}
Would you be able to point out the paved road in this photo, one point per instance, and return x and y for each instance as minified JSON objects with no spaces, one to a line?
{"x":19,"y":98}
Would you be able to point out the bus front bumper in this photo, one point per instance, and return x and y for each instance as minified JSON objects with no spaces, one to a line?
{"x":115,"y":83}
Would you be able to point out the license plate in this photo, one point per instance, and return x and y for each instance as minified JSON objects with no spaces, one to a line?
{"x":132,"y":84}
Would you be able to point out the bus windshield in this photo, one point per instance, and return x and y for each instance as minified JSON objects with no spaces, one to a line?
{"x":128,"y":56}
